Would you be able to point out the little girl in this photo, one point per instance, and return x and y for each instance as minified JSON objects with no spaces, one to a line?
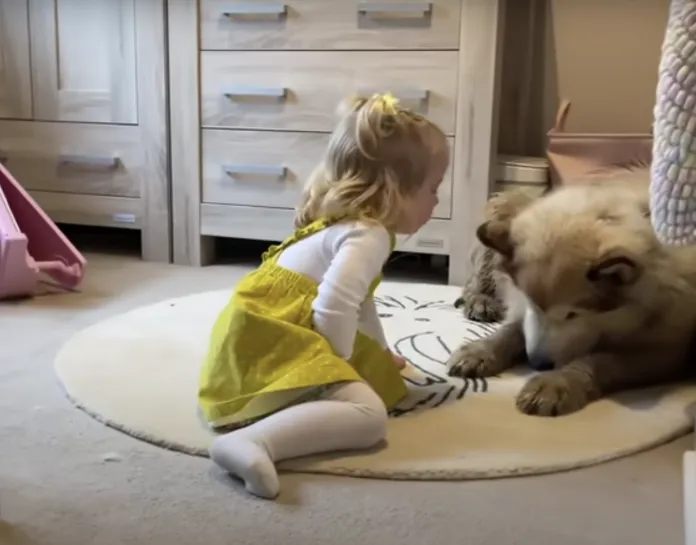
{"x":298,"y":363}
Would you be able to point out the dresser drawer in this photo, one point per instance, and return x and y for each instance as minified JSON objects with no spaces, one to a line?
{"x":327,"y":24}
{"x":258,"y":168}
{"x":97,"y":210}
{"x":74,"y":158}
{"x":300,"y":91}
{"x":275,"y":224}
{"x":269,"y":169}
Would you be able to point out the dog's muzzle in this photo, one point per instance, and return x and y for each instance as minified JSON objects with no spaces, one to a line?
{"x":539,"y":360}
{"x":538,"y":357}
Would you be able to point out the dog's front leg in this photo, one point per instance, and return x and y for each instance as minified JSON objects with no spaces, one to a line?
{"x":572,"y":387}
{"x":489,"y":356}
{"x":480,"y":300}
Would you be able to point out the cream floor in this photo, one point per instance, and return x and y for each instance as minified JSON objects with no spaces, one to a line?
{"x":57,"y":487}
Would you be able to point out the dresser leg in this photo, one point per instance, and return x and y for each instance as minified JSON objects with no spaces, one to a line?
{"x":197,"y":252}
{"x":206,"y":251}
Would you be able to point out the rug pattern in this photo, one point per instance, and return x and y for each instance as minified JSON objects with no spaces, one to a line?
{"x":137,"y":372}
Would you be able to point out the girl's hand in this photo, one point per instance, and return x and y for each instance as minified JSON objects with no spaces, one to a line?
{"x":398,"y":361}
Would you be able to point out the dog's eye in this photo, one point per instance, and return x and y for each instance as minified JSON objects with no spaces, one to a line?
{"x":571,"y":314}
{"x":610,"y":218}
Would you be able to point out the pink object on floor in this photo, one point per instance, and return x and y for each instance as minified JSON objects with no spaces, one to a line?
{"x":31,"y":245}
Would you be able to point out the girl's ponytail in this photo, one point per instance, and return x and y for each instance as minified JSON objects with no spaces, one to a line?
{"x":378,"y":153}
{"x":376,"y":118}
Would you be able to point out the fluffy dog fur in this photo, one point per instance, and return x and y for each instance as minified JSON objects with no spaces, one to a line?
{"x":481,"y":299}
{"x":591,"y":296}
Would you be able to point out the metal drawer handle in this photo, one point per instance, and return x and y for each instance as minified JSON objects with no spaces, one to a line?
{"x":256,"y":9}
{"x":261,"y":170}
{"x":90,"y":161}
{"x":410,"y":95}
{"x":423,"y":8}
{"x":123,"y":217}
{"x":430,"y":243}
{"x":269,"y":92}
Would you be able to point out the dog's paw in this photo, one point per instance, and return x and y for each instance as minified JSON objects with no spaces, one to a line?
{"x":483,"y":308}
{"x":474,"y":359}
{"x":551,"y":394}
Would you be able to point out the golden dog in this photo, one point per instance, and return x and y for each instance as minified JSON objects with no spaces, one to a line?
{"x":593,"y":300}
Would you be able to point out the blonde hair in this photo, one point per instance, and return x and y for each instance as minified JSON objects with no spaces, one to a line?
{"x":378,"y":154}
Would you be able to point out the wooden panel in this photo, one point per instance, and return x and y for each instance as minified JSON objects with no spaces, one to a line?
{"x":326,"y":24}
{"x":316,"y":82}
{"x":690,"y":497}
{"x":189,"y":247}
{"x":153,"y":123}
{"x":274,"y":224}
{"x":238,"y":168}
{"x":15,"y":66}
{"x":477,"y":123}
{"x":95,"y":210}
{"x":84,"y":60}
{"x":74,"y":158}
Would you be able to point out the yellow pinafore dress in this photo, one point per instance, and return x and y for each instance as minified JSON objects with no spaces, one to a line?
{"x":264,"y":353}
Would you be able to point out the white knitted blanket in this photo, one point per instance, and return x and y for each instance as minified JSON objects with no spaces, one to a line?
{"x":673,"y":179}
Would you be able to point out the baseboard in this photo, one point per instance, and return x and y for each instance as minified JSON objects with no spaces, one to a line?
{"x":690,"y":497}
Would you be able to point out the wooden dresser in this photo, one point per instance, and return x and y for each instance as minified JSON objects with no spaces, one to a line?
{"x":83,"y":112}
{"x":254,"y":87}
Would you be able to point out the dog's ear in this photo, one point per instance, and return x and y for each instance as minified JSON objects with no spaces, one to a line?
{"x":616,"y":267}
{"x":496,"y":235}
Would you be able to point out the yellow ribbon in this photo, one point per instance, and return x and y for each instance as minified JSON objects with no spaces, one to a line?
{"x":390,"y":103}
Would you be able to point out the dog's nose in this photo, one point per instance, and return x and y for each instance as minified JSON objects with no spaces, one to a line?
{"x":539,"y":360}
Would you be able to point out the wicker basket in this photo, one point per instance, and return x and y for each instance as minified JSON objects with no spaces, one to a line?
{"x":577,"y":156}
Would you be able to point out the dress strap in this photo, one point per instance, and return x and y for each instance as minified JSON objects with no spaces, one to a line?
{"x":392,"y":240}
{"x":302,"y":233}
{"x":316,"y":226}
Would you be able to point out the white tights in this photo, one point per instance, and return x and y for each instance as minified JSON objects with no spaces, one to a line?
{"x":349,"y":416}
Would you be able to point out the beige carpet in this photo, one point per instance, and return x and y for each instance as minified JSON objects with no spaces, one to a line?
{"x":138,"y":372}
{"x":66,"y":479}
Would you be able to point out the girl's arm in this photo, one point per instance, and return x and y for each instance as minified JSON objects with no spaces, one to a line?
{"x":371,"y":324}
{"x":359,"y":253}
{"x":372,"y":327}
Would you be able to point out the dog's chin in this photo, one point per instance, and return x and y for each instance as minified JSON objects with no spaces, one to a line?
{"x":540,"y":362}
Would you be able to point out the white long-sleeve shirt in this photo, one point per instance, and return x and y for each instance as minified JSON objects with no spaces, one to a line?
{"x":344,"y":260}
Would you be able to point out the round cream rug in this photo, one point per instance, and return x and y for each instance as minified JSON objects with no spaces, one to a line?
{"x":138,"y":372}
